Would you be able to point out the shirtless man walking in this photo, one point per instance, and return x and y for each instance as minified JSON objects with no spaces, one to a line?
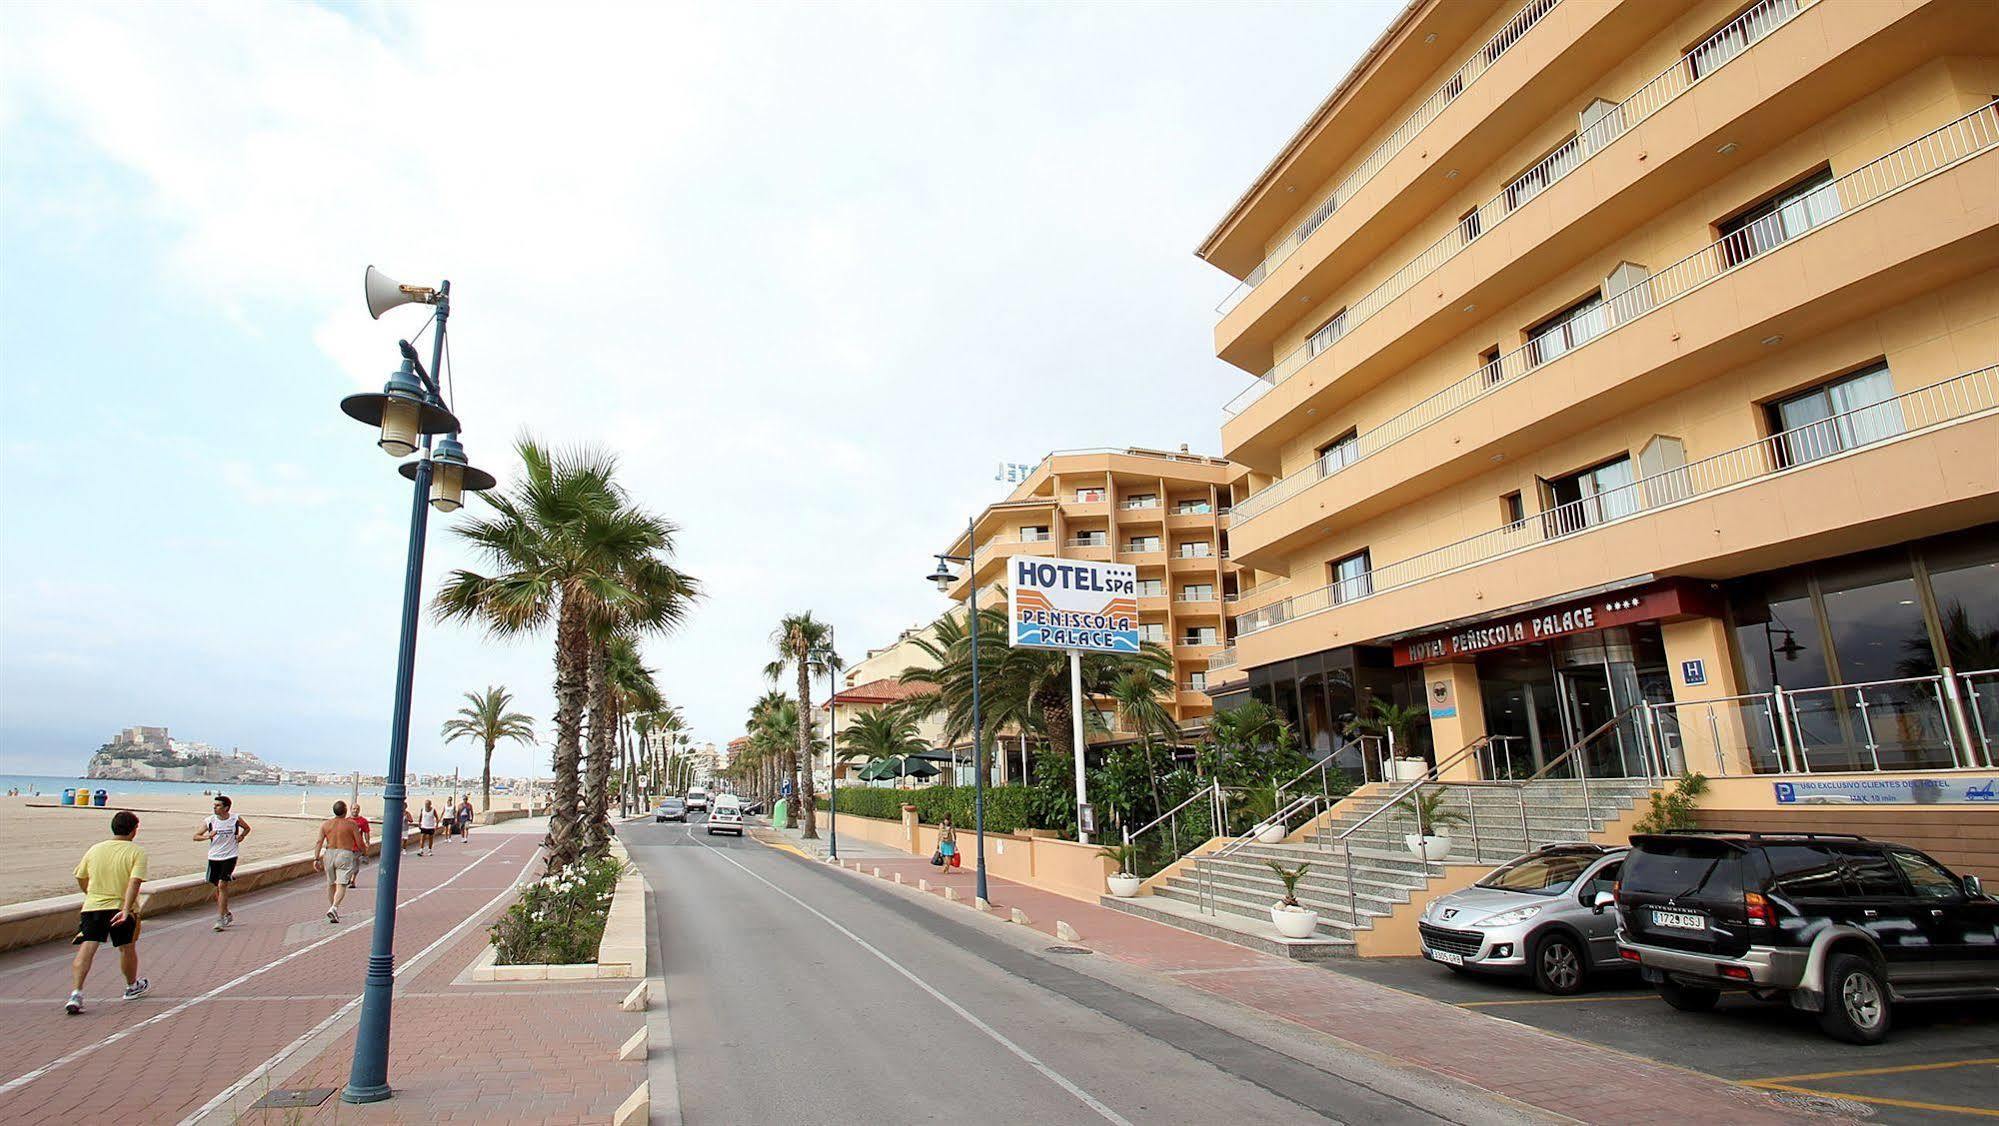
{"x":335,"y":854}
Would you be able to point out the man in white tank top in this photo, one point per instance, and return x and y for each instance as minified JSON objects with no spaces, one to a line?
{"x":225,"y":833}
{"x":426,"y":829}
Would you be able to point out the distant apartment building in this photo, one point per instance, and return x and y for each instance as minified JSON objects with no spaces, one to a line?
{"x":1622,"y":376}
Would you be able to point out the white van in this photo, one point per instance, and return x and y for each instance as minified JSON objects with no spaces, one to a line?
{"x":726,"y":816}
{"x":697,"y":798}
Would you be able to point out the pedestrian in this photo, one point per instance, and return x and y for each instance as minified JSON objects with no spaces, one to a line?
{"x":465,"y":819}
{"x":947,"y":843}
{"x":225,"y":832}
{"x":426,"y":829}
{"x":109,"y":875}
{"x":361,"y":855}
{"x":334,"y":855}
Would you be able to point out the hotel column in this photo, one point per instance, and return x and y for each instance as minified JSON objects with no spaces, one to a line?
{"x":1457,"y":715}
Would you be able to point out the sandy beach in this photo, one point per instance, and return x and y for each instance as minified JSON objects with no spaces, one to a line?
{"x":43,"y":842}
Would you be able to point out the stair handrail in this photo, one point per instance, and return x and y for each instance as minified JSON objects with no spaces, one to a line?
{"x":1427,"y":777}
{"x":1203,"y":879}
{"x":1211,"y":792}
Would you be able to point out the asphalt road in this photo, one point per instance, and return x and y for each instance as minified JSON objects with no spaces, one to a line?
{"x":798,"y":993}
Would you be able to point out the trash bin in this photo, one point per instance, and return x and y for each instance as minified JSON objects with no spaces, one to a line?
{"x":69,"y":795}
{"x":100,"y":797}
{"x":779,"y":812}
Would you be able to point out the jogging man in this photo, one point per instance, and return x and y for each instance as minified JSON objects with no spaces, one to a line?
{"x":426,"y":829}
{"x":361,"y":856}
{"x":109,"y":875}
{"x":465,"y":819}
{"x":339,"y":840}
{"x":225,"y":833}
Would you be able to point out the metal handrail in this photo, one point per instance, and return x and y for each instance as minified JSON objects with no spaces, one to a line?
{"x":1204,"y":894}
{"x":1211,"y":792}
{"x":1429,"y":776}
{"x":1741,"y":33}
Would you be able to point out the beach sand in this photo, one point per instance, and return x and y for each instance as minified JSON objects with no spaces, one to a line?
{"x":43,"y":843}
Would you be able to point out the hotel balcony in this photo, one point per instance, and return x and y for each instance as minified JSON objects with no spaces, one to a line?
{"x":1774,"y":80}
{"x":1543,"y":58}
{"x":1192,"y":565}
{"x":1098,"y":551}
{"x":1914,"y":465}
{"x":1910,"y":222}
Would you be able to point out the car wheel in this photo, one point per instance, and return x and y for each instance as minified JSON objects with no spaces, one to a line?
{"x":1856,"y":1001}
{"x":1688,"y":998}
{"x":1558,"y":965}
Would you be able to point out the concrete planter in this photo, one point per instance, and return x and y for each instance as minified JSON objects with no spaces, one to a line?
{"x":621,"y":953}
{"x":1271,"y":834}
{"x":1430,"y":848}
{"x":1294,"y":922}
{"x":1122,"y":886}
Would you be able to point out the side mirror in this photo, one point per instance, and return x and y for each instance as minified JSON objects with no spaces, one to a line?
{"x":1603,"y":899}
{"x":1973,"y":887}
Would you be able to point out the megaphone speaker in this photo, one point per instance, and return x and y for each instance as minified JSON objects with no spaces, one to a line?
{"x":385,"y":293}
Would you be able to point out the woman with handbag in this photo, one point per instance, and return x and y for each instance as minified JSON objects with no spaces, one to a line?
{"x":947,"y":843}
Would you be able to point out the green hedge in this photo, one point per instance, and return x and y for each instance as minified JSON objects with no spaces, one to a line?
{"x":1006,"y":806}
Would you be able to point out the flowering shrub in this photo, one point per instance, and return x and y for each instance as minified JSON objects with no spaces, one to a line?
{"x":559,"y":919}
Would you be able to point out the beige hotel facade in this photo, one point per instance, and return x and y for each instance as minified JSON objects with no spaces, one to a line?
{"x":1624,"y":371}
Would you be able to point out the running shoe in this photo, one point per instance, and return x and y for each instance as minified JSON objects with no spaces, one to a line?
{"x":332,"y":915}
{"x":219,"y":924}
{"x":229,"y":918}
{"x":137,"y":989}
{"x":74,"y":1005}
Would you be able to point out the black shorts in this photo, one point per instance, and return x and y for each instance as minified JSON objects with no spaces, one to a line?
{"x":427,"y":834}
{"x":221,"y":871}
{"x":95,"y":926}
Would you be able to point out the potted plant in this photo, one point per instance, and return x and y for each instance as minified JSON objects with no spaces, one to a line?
{"x":1291,"y":919}
{"x":1429,"y":842}
{"x":1394,"y":722}
{"x":1262,"y":803}
{"x":1123,"y":883}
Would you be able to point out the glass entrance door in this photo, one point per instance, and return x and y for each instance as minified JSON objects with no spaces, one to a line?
{"x":1598,"y":678}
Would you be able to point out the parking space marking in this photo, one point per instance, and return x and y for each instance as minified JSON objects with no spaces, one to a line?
{"x":1875,"y":1100}
{"x":1874,"y":1071}
{"x":1555,"y":1001}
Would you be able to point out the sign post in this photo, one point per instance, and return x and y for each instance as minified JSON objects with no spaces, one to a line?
{"x":1081,"y":607}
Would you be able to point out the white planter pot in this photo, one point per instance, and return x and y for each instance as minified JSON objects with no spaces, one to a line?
{"x":1294,"y":922}
{"x":1428,"y":848}
{"x":1270,"y":834}
{"x":1124,"y":887}
{"x":1408,"y":769}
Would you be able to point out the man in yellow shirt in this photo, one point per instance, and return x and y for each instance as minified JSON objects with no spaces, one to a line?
{"x":110,"y":874}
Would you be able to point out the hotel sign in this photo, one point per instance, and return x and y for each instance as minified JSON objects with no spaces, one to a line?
{"x":1644,"y":604}
{"x":1071,"y":604}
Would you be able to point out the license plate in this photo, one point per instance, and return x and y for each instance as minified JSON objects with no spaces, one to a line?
{"x":1679,"y":920}
{"x":1448,"y":958}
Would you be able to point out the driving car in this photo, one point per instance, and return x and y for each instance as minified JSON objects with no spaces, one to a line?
{"x":670,"y":809}
{"x":1835,"y":924}
{"x":1532,"y":916}
{"x":726,"y":816}
{"x":697,"y":798}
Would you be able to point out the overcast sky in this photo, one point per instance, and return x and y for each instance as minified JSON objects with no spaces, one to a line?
{"x":811,"y":271}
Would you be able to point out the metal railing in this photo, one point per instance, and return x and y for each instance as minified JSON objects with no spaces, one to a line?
{"x":1135,"y":505}
{"x":1950,"y":400}
{"x":1368,"y":751}
{"x":1217,"y":803}
{"x":1933,"y":152}
{"x":1141,"y":549}
{"x":1223,"y":660}
{"x":1474,"y":67}
{"x":1043,"y":537}
{"x":1209,"y":597}
{"x":1084,"y":541}
{"x":1306,"y":805}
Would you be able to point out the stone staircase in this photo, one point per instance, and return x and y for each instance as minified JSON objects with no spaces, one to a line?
{"x":1385,"y":874}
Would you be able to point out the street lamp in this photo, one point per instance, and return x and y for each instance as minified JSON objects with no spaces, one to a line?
{"x":943,"y":577}
{"x":410,"y":407}
{"x":832,"y":753}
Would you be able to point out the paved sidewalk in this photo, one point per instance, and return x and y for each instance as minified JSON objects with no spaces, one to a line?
{"x":272,"y":1002}
{"x":1578,"y":1080}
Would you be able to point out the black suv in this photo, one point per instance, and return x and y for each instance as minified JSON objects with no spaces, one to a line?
{"x":1842,"y":925}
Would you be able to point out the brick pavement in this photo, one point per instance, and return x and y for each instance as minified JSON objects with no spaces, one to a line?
{"x":1583,"y":1081}
{"x":223,"y":1004}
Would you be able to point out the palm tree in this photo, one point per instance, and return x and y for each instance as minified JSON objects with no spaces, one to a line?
{"x":633,"y":692}
{"x":566,"y":548}
{"x":804,"y":644}
{"x":657,"y":599}
{"x":1139,"y":696}
{"x":877,"y":734}
{"x":486,"y":720}
{"x":772,"y":719}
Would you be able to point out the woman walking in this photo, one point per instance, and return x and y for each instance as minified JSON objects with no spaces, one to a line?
{"x":947,"y":843}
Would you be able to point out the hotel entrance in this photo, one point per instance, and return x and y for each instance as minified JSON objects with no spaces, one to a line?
{"x":1544,"y":699}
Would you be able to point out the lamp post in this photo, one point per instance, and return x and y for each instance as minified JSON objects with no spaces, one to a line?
{"x":412,"y":404}
{"x":832,"y":755}
{"x":943,"y":578}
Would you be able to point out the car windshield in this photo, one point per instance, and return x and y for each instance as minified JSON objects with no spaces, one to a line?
{"x":1550,"y":874}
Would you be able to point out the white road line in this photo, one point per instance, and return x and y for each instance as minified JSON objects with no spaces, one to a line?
{"x":1053,"y":1076}
{"x":307,"y":1037}
{"x":26,"y":1078}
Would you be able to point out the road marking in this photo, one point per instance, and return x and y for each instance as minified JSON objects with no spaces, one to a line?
{"x":26,"y":1078}
{"x":1877,"y":1100}
{"x":965,"y":1014}
{"x":1555,"y":1001}
{"x":1872,"y":1071}
{"x":307,"y":1037}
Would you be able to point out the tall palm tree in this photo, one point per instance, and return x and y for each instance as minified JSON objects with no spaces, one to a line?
{"x":877,"y":734}
{"x":804,"y":645}
{"x":1139,"y":696}
{"x":565,"y":547}
{"x":658,"y":598}
{"x":486,"y":720}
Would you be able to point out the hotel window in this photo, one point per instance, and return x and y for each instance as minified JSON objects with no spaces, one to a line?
{"x":1339,"y":453}
{"x":1590,"y":497}
{"x":1197,"y":682}
{"x":1139,"y":545}
{"x":1151,"y":588}
{"x":1736,"y":35}
{"x":1567,"y":330}
{"x":1351,"y":576}
{"x":1192,"y":508}
{"x":1811,"y":202}
{"x":1850,"y":411}
{"x":1196,"y":549}
{"x":1537,"y":177}
{"x":1092,"y":539}
{"x":1469,"y":225}
{"x":1089,"y":496}
{"x":1036,"y":534}
{"x":1197,"y":592}
{"x":1154,"y":632}
{"x":1489,"y":368}
{"x":1205,"y":635}
{"x":1513,"y":507}
{"x":1322,"y":337}
{"x":1142,"y":500}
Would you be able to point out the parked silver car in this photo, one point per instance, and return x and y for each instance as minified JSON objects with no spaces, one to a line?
{"x":1533,"y":915}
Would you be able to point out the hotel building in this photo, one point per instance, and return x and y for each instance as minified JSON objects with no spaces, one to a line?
{"x":1622,"y":375}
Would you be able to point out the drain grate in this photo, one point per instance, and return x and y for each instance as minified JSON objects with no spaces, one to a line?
{"x":1068,"y":950}
{"x":282,"y":1098}
{"x":1824,"y":1104}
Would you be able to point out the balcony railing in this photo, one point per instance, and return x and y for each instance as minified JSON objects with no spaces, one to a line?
{"x":1085,"y":541}
{"x":1222,"y":660}
{"x":1959,"y":397}
{"x":1657,"y":92}
{"x":1474,"y":67}
{"x":1974,"y":133}
{"x":1135,"y":505}
{"x":1194,"y":598}
{"x":1140,"y":549}
{"x":1033,"y":537}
